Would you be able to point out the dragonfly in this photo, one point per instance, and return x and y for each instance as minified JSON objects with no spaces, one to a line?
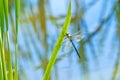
{"x":78,"y":36}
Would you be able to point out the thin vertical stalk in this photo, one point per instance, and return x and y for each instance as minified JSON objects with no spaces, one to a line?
{"x":1,"y":68}
{"x":3,"y":60}
{"x":1,"y":37}
{"x":17,"y":8}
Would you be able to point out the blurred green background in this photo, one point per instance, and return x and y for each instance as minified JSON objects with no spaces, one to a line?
{"x":39,"y":27}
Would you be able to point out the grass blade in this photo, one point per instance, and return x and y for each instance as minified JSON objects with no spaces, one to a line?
{"x":17,"y":8}
{"x":58,"y":44}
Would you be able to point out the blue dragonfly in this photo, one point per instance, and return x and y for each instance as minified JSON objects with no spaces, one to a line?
{"x":69,"y":40}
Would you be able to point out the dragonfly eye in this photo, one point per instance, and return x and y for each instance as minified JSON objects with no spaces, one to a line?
{"x":67,"y":34}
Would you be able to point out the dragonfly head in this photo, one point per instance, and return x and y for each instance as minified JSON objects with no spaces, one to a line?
{"x":68,"y":35}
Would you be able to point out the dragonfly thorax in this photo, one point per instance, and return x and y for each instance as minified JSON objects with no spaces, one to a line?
{"x":69,"y":35}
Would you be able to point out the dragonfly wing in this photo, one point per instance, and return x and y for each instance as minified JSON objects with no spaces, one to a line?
{"x":78,"y":37}
{"x":66,"y":45}
{"x":78,"y":32}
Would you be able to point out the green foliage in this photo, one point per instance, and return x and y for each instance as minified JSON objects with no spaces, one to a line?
{"x":4,"y":37}
{"x":58,"y":44}
{"x":10,"y":76}
{"x":2,"y":55}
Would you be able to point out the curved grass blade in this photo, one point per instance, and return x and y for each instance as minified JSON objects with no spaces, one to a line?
{"x":58,"y":44}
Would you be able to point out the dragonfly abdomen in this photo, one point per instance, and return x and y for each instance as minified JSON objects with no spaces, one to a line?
{"x":75,"y":48}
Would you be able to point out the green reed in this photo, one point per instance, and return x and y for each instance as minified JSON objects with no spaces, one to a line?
{"x":5,"y":42}
{"x":58,"y":44}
